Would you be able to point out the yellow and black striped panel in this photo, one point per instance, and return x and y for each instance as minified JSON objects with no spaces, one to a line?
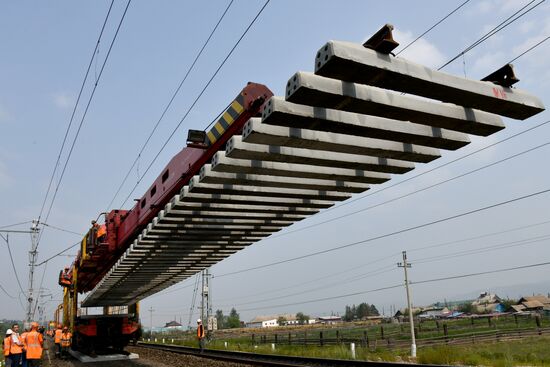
{"x":226,"y":119}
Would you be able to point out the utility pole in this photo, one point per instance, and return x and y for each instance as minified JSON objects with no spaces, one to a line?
{"x":206,"y":300}
{"x":405,"y":265}
{"x":151,"y":313}
{"x":32,"y":263}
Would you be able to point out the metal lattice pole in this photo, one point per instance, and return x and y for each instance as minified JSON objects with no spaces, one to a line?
{"x":32,"y":264}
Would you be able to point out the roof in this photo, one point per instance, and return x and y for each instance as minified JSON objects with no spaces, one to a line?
{"x":518,"y":308}
{"x":287,"y":317}
{"x":533,"y":304}
{"x":172,"y":323}
{"x":542,"y":299}
{"x":486,"y":298}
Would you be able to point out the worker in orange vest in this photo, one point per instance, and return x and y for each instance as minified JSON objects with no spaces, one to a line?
{"x":66,"y":339}
{"x":57,"y":340}
{"x":34,"y":345}
{"x":16,"y":346}
{"x":6,"y":345}
{"x":23,"y":338}
{"x":200,"y":334}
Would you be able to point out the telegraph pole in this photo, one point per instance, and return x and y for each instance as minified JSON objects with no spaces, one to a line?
{"x":151,"y":313}
{"x":405,"y":265}
{"x":32,"y":263}
{"x":206,"y":301}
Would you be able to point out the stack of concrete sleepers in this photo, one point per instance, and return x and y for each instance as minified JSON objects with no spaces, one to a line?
{"x":335,"y":133}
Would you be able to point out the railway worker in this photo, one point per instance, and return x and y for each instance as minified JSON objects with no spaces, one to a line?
{"x":6,"y":345}
{"x":23,"y":340}
{"x":57,"y":340}
{"x":200,"y":334}
{"x":34,"y":345}
{"x":16,"y":346}
{"x":66,"y":339}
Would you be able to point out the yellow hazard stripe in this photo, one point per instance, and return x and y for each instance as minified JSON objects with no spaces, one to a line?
{"x":211,"y":137}
{"x":237,"y":107}
{"x":219,"y":128}
{"x":228,"y":118}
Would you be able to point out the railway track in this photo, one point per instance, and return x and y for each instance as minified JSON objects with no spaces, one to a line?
{"x":269,"y":359}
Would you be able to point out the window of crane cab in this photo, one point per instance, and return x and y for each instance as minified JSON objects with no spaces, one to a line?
{"x":143,"y":202}
{"x":153,"y":190}
{"x":165,"y":176}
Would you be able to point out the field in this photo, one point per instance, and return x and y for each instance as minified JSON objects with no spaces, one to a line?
{"x":495,"y":341}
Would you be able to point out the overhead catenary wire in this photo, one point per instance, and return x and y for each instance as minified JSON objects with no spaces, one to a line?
{"x":15,"y":224}
{"x":58,"y":254}
{"x":529,"y":50}
{"x":390,"y":234}
{"x":412,"y":192}
{"x":432,"y":280}
{"x":196,"y":100}
{"x":505,"y":23}
{"x":432,"y":27}
{"x":167,"y":107}
{"x":62,"y":229}
{"x":90,"y":99}
{"x":6,"y":239}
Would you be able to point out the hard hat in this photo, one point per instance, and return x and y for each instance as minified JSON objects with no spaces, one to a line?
{"x":199,"y":321}
{"x":65,"y":328}
{"x":9,"y":332}
{"x":34,"y":324}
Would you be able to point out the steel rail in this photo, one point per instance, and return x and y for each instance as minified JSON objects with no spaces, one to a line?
{"x":270,"y":359}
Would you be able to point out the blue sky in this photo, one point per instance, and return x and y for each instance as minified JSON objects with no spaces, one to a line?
{"x":46,"y":47}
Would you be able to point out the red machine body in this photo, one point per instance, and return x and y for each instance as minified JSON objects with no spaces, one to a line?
{"x":123,"y":226}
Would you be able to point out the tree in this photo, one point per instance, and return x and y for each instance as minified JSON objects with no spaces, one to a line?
{"x":302,"y":319}
{"x":221,"y":319}
{"x":233,"y":320}
{"x":348,"y":314}
{"x":281,"y":321}
{"x":466,"y":307}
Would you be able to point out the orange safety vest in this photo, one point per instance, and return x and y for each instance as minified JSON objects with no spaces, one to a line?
{"x":14,"y":348}
{"x":200,"y":331}
{"x":57,"y":338}
{"x":7,"y":345}
{"x":23,"y":338}
{"x":66,"y":339}
{"x":34,"y":343}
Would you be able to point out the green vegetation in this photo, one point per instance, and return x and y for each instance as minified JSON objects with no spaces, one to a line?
{"x":531,"y":351}
{"x":359,"y":312}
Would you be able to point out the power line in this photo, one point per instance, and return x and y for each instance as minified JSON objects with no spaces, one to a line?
{"x":495,"y":30}
{"x":433,"y":26}
{"x":316,"y":279}
{"x":15,"y":224}
{"x":176,"y":92}
{"x":6,"y":239}
{"x":62,"y":229}
{"x":74,"y":110}
{"x":379,"y":271}
{"x":86,"y":112}
{"x":480,"y":250}
{"x":400,"y":231}
{"x":528,"y":50}
{"x":482,"y":273}
{"x":479,"y":236}
{"x":59,"y":253}
{"x":196,"y":100}
{"x":412,"y":192}
{"x":6,"y":292}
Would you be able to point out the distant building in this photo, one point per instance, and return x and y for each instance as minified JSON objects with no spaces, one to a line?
{"x":488,"y":303}
{"x":434,"y":313}
{"x":329,"y":320}
{"x":538,"y":304}
{"x":173,"y":325}
{"x":273,"y":321}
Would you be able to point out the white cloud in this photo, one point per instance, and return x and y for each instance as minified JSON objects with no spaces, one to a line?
{"x":422,"y":51}
{"x":62,"y":100}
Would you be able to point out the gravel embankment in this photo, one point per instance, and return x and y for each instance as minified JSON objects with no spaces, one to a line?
{"x":157,"y":358}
